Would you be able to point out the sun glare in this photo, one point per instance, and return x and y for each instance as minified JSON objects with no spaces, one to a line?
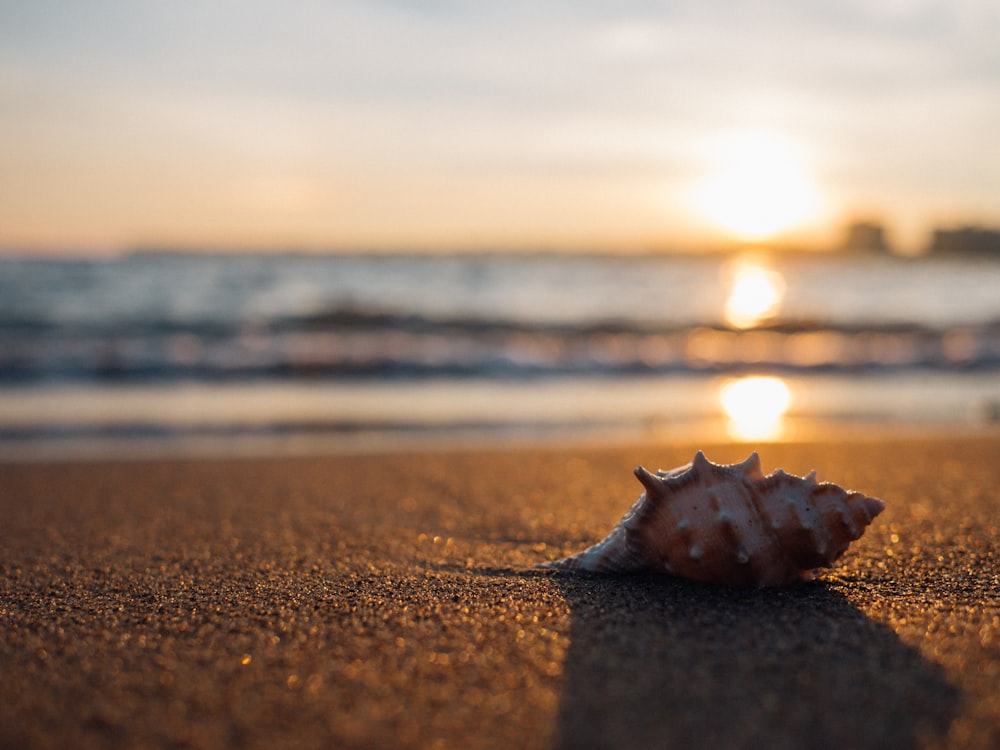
{"x":759,"y":187}
{"x":756,"y":407}
{"x":755,"y":294}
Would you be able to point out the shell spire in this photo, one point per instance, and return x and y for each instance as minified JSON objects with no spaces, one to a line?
{"x":730,"y":524}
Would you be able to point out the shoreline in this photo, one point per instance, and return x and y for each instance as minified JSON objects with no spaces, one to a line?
{"x":361,"y":440}
{"x":388,"y":600}
{"x":294,"y":418}
{"x":367,"y":442}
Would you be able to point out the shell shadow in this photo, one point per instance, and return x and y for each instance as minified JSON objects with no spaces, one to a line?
{"x":662,"y":663}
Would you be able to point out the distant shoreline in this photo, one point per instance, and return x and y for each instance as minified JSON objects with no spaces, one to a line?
{"x":783,"y":250}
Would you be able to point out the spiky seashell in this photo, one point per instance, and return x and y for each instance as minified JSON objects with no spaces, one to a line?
{"x":730,"y":524}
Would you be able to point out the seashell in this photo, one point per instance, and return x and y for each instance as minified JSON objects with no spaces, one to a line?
{"x":730,"y":524}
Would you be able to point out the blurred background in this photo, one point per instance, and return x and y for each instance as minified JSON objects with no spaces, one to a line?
{"x":347,"y":225}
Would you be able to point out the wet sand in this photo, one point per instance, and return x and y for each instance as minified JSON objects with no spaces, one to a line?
{"x":389,"y":601}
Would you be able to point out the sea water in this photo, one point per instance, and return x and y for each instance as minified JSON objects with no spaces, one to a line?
{"x":342,"y":351}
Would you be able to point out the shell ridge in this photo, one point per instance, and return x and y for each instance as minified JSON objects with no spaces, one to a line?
{"x":775,"y":562}
{"x":733,"y":538}
{"x":751,"y":466}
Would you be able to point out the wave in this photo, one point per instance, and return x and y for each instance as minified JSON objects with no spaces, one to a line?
{"x":355,"y":342}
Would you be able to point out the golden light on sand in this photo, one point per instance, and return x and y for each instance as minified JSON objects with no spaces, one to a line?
{"x":755,"y":406}
{"x":755,"y":294}
{"x":760,"y":186}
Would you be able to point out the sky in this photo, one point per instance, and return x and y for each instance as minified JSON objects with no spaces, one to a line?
{"x":585,"y":124}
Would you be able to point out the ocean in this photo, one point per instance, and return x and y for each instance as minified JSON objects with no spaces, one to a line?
{"x":164,"y":352}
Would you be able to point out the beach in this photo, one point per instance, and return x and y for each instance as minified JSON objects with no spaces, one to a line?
{"x":389,"y":600}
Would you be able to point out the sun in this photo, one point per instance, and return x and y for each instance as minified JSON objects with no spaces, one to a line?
{"x":759,"y":186}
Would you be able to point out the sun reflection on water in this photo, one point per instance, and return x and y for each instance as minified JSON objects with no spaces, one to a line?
{"x":756,"y":407}
{"x":755,"y":295}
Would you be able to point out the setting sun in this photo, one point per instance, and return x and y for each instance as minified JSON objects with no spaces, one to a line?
{"x":759,"y":186}
{"x":755,"y":407}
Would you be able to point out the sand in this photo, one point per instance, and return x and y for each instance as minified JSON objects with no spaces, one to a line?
{"x":389,"y":601}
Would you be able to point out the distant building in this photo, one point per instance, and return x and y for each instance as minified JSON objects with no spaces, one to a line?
{"x":865,"y":237}
{"x":966,"y":241}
